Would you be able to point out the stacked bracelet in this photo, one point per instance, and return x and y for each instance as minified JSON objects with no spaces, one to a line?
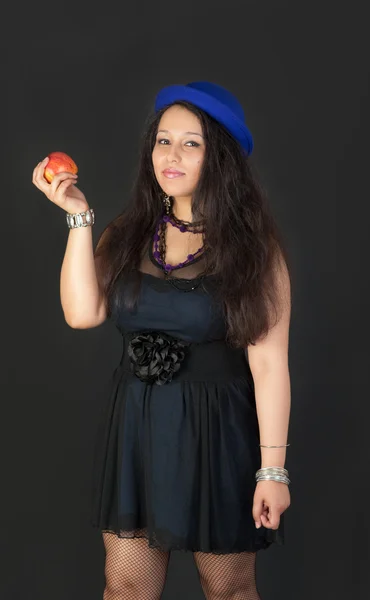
{"x":273,"y":474}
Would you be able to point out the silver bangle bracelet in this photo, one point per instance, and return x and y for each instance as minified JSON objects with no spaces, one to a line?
{"x":279,"y":478}
{"x":276,"y":469}
{"x":76,"y":219}
{"x":282,"y":446}
{"x":279,"y":474}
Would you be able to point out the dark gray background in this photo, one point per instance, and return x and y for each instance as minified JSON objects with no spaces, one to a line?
{"x":82,"y":80}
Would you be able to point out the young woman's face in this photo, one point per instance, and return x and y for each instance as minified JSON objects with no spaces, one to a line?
{"x":178,"y":152}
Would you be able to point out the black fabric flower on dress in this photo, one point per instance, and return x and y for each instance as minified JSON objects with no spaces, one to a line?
{"x":156,"y":356}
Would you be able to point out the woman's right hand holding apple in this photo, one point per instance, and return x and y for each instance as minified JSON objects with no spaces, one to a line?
{"x":61,"y":191}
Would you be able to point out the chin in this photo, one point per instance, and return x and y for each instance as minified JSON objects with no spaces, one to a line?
{"x":176,"y":190}
{"x":178,"y":193}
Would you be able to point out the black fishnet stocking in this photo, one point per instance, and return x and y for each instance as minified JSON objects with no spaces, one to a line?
{"x":133,"y":571}
{"x":227,"y":576}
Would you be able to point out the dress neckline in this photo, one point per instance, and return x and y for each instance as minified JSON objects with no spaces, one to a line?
{"x":159,"y":265}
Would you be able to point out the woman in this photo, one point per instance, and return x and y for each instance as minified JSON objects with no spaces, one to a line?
{"x":194,"y":274}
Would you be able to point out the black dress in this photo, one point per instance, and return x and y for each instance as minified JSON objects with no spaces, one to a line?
{"x":177,"y":448}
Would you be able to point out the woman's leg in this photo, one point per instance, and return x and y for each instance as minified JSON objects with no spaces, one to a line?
{"x":133,"y":571}
{"x":227,"y":576}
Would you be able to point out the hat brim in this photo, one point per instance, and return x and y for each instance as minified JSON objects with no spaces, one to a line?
{"x":219,"y":111}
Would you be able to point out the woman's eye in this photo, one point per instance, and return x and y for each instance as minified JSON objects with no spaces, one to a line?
{"x":165,"y":142}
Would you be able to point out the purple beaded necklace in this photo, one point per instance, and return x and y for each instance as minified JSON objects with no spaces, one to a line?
{"x":159,"y":252}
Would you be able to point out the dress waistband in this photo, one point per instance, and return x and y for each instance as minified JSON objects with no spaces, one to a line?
{"x":157,"y":357}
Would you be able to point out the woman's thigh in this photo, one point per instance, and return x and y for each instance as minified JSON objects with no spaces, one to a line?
{"x":227,"y":576}
{"x":133,"y":570}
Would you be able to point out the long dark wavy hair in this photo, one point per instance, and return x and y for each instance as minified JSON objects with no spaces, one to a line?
{"x":245,"y":248}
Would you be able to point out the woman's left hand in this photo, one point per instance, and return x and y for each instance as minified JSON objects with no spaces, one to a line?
{"x":271,"y":499}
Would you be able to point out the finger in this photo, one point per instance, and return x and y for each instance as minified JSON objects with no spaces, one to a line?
{"x":59,"y":178}
{"x":274,"y":517}
{"x":257,"y":512}
{"x":63,"y":175}
{"x":40,"y":166}
{"x":40,"y":180}
{"x":265,"y":522}
{"x":61,"y":190}
{"x":272,"y":521}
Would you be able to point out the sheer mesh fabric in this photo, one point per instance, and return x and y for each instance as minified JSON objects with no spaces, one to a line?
{"x":190,"y":271}
{"x":177,"y":241}
{"x":135,"y":571}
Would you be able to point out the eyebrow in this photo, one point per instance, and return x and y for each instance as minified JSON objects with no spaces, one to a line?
{"x":186,"y":132}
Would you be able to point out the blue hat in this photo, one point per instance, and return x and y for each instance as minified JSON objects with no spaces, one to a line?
{"x":214,"y":100}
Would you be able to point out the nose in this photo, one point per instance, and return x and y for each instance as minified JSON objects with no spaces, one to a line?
{"x":172,"y":154}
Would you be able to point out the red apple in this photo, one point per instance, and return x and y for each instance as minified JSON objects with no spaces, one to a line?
{"x":59,"y":162}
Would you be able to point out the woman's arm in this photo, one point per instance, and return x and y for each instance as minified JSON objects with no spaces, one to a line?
{"x":268,"y":361}
{"x":82,"y":299}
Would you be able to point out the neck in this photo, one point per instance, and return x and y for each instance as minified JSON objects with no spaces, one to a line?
{"x":181,"y":208}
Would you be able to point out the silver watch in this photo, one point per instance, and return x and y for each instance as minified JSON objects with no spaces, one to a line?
{"x":77,"y":219}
